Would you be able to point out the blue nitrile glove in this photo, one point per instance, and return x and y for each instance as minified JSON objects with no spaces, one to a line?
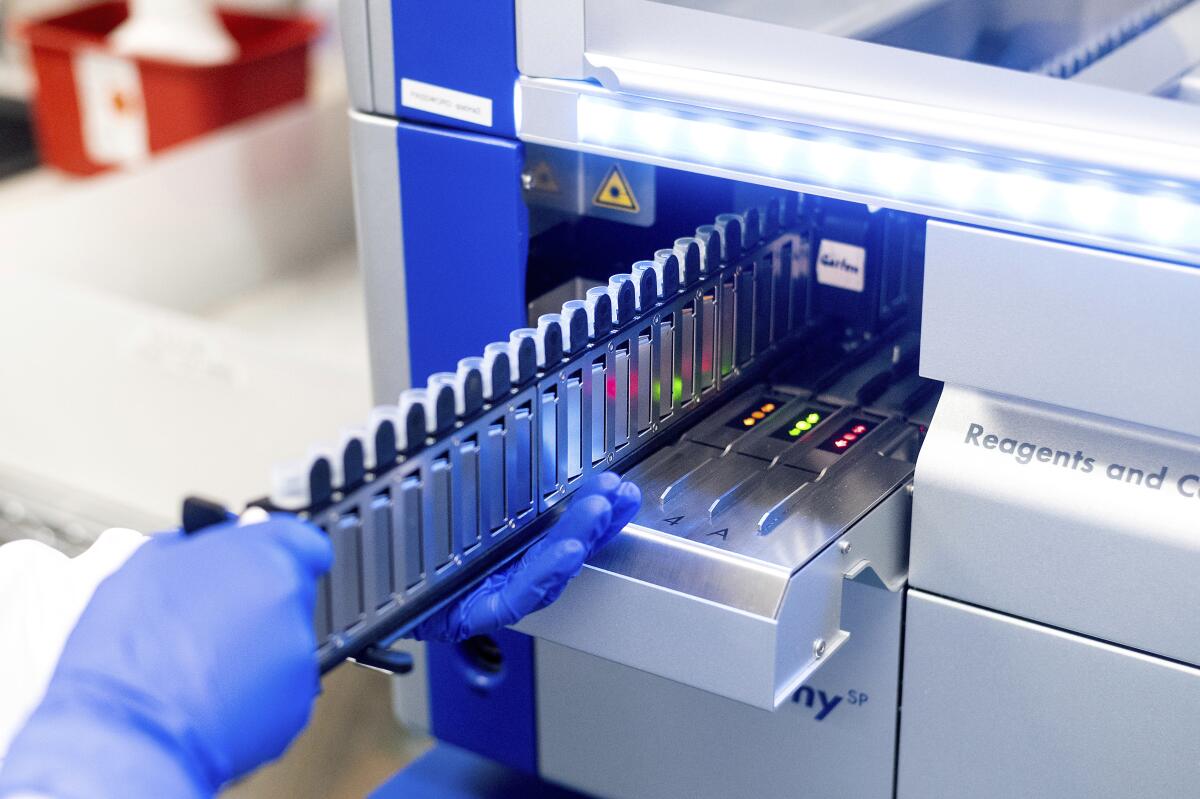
{"x":598,"y":511}
{"x":193,"y":664}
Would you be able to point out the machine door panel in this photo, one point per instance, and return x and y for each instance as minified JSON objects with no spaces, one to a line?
{"x":996,"y":707}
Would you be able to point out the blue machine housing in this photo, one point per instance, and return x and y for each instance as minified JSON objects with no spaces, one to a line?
{"x":464,"y":220}
{"x":468,"y":46}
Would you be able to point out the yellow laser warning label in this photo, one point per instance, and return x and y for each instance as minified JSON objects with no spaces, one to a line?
{"x":541,"y":178}
{"x":614,"y":192}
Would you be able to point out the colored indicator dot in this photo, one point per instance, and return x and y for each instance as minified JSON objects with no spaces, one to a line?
{"x":803,"y":426}
{"x":813,"y":418}
{"x":748,"y":422}
{"x":841,"y":443}
{"x":859,"y":429}
{"x":849,"y":436}
{"x":793,"y":432}
{"x":768,"y":407}
{"x":759,"y":415}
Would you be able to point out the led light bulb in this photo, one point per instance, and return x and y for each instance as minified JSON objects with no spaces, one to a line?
{"x":894,"y":171}
{"x":654,"y":129}
{"x":956,"y":181}
{"x":771,"y":149}
{"x":598,"y":122}
{"x":1161,"y":217}
{"x":1090,"y":204}
{"x":710,"y":139}
{"x":831,"y":159}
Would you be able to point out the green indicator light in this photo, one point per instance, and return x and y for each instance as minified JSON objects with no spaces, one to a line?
{"x":793,"y":432}
{"x":813,"y":418}
{"x":803,"y":426}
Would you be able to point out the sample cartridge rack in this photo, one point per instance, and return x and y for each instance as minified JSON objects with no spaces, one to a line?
{"x":458,"y":477}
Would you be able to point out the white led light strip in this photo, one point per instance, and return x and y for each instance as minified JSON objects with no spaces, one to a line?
{"x":1160,"y":216}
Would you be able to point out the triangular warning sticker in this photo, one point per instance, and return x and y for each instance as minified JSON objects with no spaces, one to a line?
{"x":615,"y":192}
{"x":542,"y":179}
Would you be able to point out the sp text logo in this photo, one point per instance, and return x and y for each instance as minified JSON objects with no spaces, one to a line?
{"x":822,"y":704}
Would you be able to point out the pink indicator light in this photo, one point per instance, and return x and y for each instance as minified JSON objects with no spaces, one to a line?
{"x":849,"y":436}
{"x":841,"y":443}
{"x":859,"y":429}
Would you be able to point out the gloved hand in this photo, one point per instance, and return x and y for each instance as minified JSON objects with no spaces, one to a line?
{"x":192,"y":664}
{"x":599,"y":509}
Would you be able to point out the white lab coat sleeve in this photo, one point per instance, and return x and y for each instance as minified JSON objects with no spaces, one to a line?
{"x":42,"y":594}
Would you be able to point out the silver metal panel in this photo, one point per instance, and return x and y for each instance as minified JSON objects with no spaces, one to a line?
{"x":997,"y":707}
{"x":381,"y":251}
{"x":664,"y":632}
{"x":550,"y":40}
{"x":1154,"y":59}
{"x":910,"y":95}
{"x":613,"y":731}
{"x":846,"y":18}
{"x":550,"y":117}
{"x":356,"y":49}
{"x":383,"y":62}
{"x":1097,"y":331}
{"x":1039,"y":523}
{"x":410,"y":693}
{"x":668,"y":606}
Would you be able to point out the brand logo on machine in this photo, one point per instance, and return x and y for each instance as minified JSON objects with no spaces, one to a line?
{"x":824,"y":704}
{"x":841,"y":265}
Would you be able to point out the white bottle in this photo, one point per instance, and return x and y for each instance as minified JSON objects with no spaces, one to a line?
{"x":183,"y":31}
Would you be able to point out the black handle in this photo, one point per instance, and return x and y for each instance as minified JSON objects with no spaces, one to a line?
{"x":199,"y":513}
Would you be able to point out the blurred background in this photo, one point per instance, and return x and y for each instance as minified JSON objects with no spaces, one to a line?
{"x":177,"y":317}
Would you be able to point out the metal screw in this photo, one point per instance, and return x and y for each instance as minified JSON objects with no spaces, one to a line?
{"x":819,"y":648}
{"x":527,"y":180}
{"x":844,"y":547}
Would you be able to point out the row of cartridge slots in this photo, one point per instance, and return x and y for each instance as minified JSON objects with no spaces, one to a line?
{"x":394,"y":433}
{"x":672,"y":334}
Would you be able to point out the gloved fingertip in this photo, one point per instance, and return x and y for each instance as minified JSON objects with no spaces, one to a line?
{"x":570,"y":552}
{"x":594,"y":513}
{"x":304,"y":541}
{"x":626,"y":504}
{"x":585,"y":519}
{"x":628,"y":500}
{"x":605,"y":484}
